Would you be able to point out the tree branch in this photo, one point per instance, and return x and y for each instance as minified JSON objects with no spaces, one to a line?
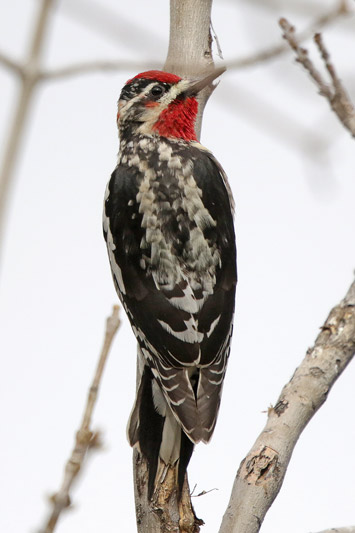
{"x":85,"y":439}
{"x":339,"y":530}
{"x":10,"y":64}
{"x":190,"y":45}
{"x":341,"y":9}
{"x":96,"y":66}
{"x":335,"y":93}
{"x":261,"y":473}
{"x":29,"y":78}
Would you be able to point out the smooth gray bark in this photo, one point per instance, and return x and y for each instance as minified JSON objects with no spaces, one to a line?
{"x":190,"y":45}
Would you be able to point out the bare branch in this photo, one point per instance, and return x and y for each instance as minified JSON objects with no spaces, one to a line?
{"x":85,"y":439}
{"x":190,"y":45}
{"x":303,"y":58}
{"x":342,"y":9}
{"x":96,"y":66}
{"x":335,"y":93}
{"x":164,"y":513}
{"x":10,"y":64}
{"x":261,"y":473}
{"x":29,"y":78}
{"x":190,"y":40}
{"x":90,"y":67}
{"x":350,"y":529}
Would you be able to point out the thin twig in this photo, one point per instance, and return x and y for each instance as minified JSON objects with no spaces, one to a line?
{"x":261,"y":473}
{"x":202,"y":493}
{"x":342,"y":9}
{"x":350,"y":529}
{"x":302,"y":56}
{"x":9,"y":63}
{"x":216,"y":40}
{"x":97,"y":66}
{"x":85,"y":438}
{"x":334,"y":91}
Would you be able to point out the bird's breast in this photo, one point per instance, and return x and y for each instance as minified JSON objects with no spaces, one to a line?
{"x":178,"y":230}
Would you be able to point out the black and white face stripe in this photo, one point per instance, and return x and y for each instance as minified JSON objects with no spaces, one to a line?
{"x":137,"y":86}
{"x":141,"y":102}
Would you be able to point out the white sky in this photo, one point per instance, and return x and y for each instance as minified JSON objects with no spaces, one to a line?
{"x":291,"y":167}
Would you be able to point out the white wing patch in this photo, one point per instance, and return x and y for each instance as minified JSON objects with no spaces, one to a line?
{"x":213,"y":325}
{"x":190,"y":334}
{"x":116,"y":271}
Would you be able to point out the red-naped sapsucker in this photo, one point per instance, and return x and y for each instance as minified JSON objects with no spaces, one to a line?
{"x":168,"y":225}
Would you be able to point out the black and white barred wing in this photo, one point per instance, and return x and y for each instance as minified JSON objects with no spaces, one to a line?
{"x":181,"y":314}
{"x":216,"y":315}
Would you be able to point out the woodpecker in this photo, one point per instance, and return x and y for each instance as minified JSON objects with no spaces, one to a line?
{"x":168,"y":225}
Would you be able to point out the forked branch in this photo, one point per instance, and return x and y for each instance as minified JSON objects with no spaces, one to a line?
{"x":264,"y":55}
{"x":332,"y":89}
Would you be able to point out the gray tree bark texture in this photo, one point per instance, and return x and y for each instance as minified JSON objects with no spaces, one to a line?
{"x":190,"y":45}
{"x":189,"y":55}
{"x":261,"y":473}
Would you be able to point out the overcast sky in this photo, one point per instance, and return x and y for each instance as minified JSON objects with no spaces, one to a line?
{"x":291,"y":168}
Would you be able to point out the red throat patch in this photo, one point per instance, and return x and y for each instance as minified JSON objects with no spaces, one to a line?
{"x":178,"y":120}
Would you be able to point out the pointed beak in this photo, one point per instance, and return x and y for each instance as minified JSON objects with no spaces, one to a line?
{"x":197,"y":85}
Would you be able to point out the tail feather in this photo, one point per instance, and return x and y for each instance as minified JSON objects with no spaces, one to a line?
{"x":154,"y":430}
{"x":186,"y":449}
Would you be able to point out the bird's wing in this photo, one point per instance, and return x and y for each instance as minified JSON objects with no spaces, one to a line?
{"x":152,"y":309}
{"x":180,"y":324}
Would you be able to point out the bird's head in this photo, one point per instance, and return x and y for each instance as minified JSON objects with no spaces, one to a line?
{"x":160,"y":103}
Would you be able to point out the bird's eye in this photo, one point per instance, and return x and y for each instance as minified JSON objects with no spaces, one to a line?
{"x":157,"y":90}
